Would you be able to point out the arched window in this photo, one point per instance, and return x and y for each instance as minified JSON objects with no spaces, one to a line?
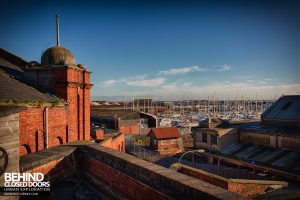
{"x":60,"y":140}
{"x":24,"y":149}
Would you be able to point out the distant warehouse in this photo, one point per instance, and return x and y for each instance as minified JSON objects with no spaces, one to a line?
{"x":124,"y":121}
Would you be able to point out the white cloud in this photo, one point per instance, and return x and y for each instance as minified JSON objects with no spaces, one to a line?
{"x":183,"y":70}
{"x":133,"y":78}
{"x":268,"y":79}
{"x":229,"y":90}
{"x":224,"y":68}
{"x":147,"y":82}
{"x":159,"y":88}
{"x":109,"y":83}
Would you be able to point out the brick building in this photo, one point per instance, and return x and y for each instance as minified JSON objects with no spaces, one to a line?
{"x":165,"y":140}
{"x":55,"y":93}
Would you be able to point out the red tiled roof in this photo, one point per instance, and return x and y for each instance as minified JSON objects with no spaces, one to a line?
{"x":165,"y":132}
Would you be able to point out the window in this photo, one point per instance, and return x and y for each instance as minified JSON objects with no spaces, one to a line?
{"x":173,"y":141}
{"x":214,"y":139}
{"x":81,"y":78}
{"x":163,"y":142}
{"x":154,"y":141}
{"x":204,"y":137}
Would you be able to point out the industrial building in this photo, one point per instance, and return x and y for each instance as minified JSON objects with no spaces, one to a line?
{"x":123,"y":121}
{"x":272,"y":144}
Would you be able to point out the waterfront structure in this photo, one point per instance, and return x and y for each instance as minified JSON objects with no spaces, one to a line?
{"x":284,"y":112}
{"x":272,"y":144}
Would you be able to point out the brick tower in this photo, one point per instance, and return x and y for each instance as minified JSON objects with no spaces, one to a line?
{"x":59,"y":74}
{"x":72,"y":83}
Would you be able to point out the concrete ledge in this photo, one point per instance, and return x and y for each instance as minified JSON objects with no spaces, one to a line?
{"x":260,"y":182}
{"x":241,"y":186}
{"x":34,"y":160}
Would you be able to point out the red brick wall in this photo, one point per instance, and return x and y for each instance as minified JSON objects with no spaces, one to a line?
{"x":168,"y":145}
{"x":119,"y":183}
{"x":73,"y":85}
{"x":209,"y":178}
{"x":98,"y":134}
{"x":70,"y":86}
{"x":32,"y":128}
{"x":129,"y":129}
{"x":243,"y":187}
{"x":56,"y":169}
{"x":117,"y":143}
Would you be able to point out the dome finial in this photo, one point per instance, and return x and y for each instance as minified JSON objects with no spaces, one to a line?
{"x":57,"y":30}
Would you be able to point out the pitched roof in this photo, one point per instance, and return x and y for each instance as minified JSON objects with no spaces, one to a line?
{"x":18,"y":62}
{"x":165,"y":132}
{"x":286,"y":108}
{"x":8,"y":110}
{"x":12,"y":84}
{"x":13,"y":89}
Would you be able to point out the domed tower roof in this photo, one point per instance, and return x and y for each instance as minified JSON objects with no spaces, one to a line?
{"x":58,"y":55}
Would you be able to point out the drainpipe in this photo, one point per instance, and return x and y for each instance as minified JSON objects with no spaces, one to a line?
{"x":46,"y":136}
{"x":83,"y":105}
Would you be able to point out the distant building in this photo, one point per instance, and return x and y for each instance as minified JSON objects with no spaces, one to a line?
{"x":274,"y":141}
{"x":124,"y":121}
{"x":211,"y":122}
{"x":284,"y":112}
{"x":165,"y":140}
{"x":215,"y":139}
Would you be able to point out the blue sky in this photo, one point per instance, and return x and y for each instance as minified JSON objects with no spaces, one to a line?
{"x":167,"y":49}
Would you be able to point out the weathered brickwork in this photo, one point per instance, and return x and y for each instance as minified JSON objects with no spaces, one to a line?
{"x":243,"y":187}
{"x":76,"y":91}
{"x":98,"y":134}
{"x":65,"y":124}
{"x":102,"y":176}
{"x":56,"y":169}
{"x":32,"y":128}
{"x":170,"y":183}
{"x":116,"y":143}
{"x":209,"y":178}
{"x":117,"y":175}
{"x":129,"y":129}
